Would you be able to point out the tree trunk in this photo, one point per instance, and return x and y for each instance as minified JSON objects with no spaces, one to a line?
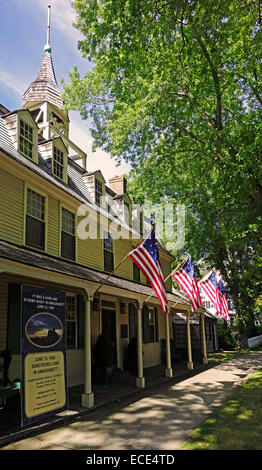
{"x":243,"y":340}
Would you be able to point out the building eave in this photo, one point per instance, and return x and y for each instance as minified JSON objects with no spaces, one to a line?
{"x":28,"y":257}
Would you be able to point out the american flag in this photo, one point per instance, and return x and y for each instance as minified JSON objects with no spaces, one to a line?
{"x":223,"y":299}
{"x":186,"y":278}
{"x":146,"y":257}
{"x":210,"y":287}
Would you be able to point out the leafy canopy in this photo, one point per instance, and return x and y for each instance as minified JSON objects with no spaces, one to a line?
{"x":176,"y":91}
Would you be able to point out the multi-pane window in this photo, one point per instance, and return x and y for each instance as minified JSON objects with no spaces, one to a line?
{"x":71,"y":321}
{"x":136,"y":273}
{"x":108,"y":252}
{"x":58,"y":163}
{"x":108,"y":304}
{"x":150,"y":325}
{"x":98,"y":191}
{"x":26,"y":139}
{"x":68,"y":234}
{"x":35,"y":220}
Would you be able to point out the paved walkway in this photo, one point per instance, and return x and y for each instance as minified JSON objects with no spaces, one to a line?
{"x":123,"y":386}
{"x":161,"y":418}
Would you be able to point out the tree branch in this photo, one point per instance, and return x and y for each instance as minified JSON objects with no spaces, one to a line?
{"x":216,"y":83}
{"x":257,"y":95}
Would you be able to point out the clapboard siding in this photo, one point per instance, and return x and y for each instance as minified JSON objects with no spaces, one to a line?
{"x":53,"y":226}
{"x":11,"y":208}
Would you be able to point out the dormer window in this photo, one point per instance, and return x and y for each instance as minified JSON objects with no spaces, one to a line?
{"x":98,"y":191}
{"x":58,"y":163}
{"x":24,"y":133}
{"x":126,"y":212}
{"x":59,"y":158}
{"x":26,"y":139}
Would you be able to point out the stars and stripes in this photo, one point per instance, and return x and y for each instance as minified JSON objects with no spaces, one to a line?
{"x":146,"y":257}
{"x":186,"y":278}
{"x":210,"y":287}
{"x":223,"y":301}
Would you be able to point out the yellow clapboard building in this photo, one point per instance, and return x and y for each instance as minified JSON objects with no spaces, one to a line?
{"x":62,"y":227}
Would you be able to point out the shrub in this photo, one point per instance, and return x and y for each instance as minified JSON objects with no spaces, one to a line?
{"x":226,"y":338}
{"x":103,"y":352}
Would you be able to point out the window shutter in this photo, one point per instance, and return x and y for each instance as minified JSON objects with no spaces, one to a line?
{"x":14,"y":318}
{"x":145,"y":324}
{"x":156,"y":325}
{"x":80,"y":322}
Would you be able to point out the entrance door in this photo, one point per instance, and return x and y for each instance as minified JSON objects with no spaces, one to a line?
{"x":109,"y":324}
{"x":109,"y":327}
{"x":132,"y":318}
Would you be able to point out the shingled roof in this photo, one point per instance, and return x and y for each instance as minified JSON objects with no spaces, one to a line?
{"x":44,"y":261}
{"x":44,"y":88}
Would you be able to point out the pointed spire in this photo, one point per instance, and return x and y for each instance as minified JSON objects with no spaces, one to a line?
{"x":44,"y":88}
{"x":47,"y":47}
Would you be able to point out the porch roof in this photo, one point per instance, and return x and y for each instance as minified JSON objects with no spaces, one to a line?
{"x":41,"y":260}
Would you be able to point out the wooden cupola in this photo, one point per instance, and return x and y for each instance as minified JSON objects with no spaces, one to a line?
{"x":43,"y":97}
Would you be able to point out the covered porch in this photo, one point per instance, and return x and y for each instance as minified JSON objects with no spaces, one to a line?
{"x":19,"y":265}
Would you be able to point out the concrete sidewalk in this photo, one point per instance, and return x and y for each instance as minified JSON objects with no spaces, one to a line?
{"x":123,"y":386}
{"x":161,"y":418}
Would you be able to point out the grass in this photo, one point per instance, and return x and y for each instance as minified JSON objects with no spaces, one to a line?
{"x":216,"y":358}
{"x":236,"y":425}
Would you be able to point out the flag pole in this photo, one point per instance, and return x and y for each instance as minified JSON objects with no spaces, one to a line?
{"x":207,"y":275}
{"x":181,"y":297}
{"x":172,"y":272}
{"x":112,"y":272}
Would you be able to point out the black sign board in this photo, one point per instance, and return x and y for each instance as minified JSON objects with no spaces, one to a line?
{"x":43,"y":354}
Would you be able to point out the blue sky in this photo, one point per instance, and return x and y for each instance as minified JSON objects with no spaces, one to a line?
{"x":23,"y":36}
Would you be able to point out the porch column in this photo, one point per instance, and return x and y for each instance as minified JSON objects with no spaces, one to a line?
{"x":204,"y":359}
{"x":189,"y":350}
{"x":169,"y":371}
{"x":140,"y":380}
{"x":87,"y":396}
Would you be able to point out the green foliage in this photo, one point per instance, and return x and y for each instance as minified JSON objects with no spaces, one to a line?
{"x":226,"y":339}
{"x":176,"y":90}
{"x":258,"y":304}
{"x":245,"y":326}
{"x":217,"y":358}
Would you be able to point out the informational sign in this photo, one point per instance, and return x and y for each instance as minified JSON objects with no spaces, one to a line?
{"x":43,"y":353}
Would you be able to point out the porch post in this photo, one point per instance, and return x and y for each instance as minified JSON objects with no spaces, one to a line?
{"x":140,"y":380}
{"x":169,"y":371}
{"x":189,"y":350}
{"x":87,"y":396}
{"x":205,"y":360}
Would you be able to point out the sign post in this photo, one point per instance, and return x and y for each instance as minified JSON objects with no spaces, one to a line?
{"x":43,"y":354}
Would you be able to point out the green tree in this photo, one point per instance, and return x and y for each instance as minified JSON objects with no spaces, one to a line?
{"x":176,"y":90}
{"x":226,"y":339}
